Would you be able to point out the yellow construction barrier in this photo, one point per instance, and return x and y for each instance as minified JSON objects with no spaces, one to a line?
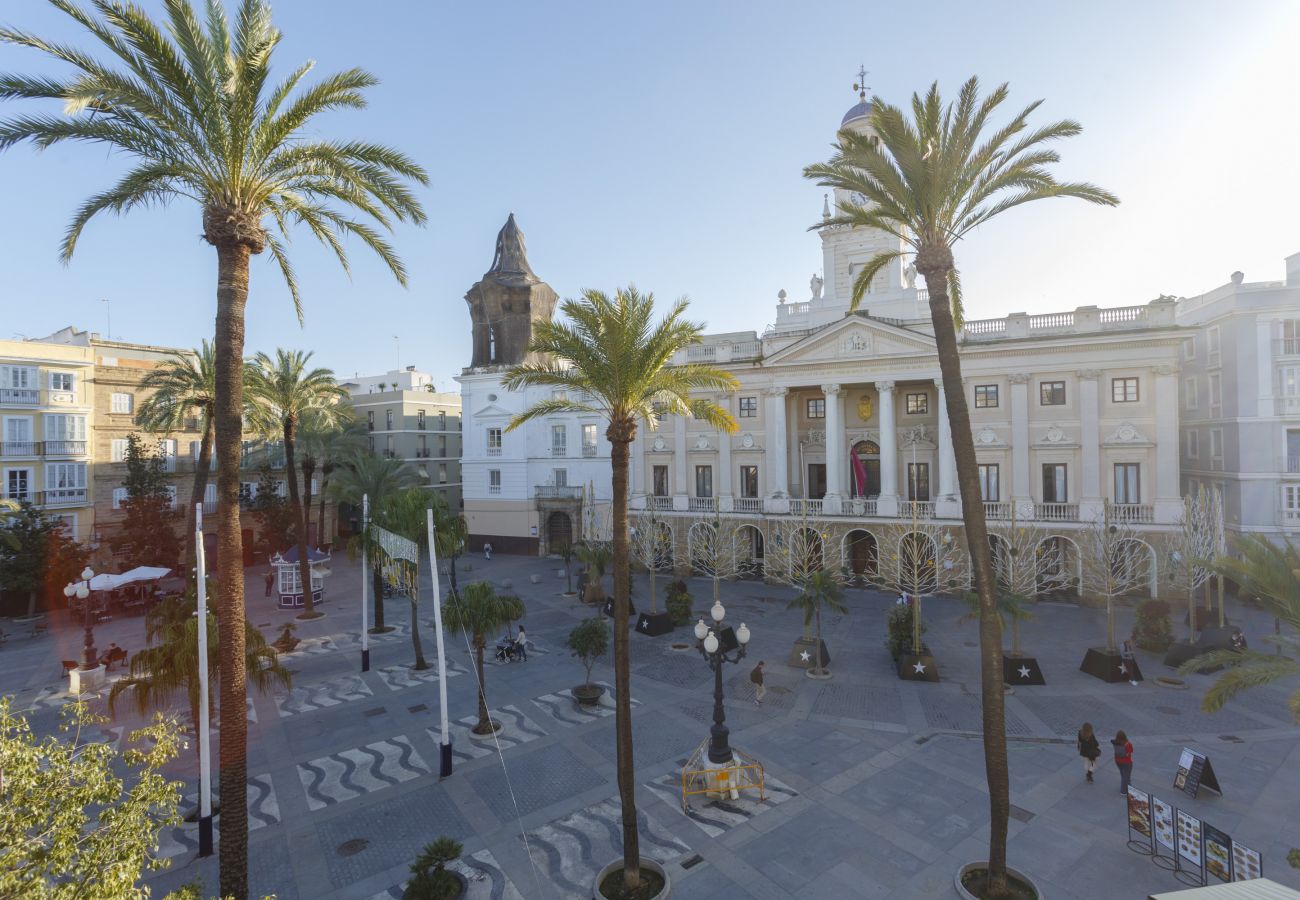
{"x":721,"y":783}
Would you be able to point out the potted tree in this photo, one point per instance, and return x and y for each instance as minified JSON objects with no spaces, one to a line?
{"x":588,"y":641}
{"x":820,"y":589}
{"x":596,"y":557}
{"x":479,"y":610}
{"x":430,"y":877}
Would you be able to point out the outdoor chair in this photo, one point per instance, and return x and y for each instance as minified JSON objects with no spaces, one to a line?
{"x":114,"y":656}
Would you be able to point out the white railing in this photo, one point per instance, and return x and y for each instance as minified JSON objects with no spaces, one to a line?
{"x":997,"y":510}
{"x":559,"y":451}
{"x":64,"y":496}
{"x":20,"y":448}
{"x":1133,"y":512}
{"x":493,"y":451}
{"x":748,"y":504}
{"x":1287,"y":406}
{"x":858,"y":506}
{"x":1289,"y":515}
{"x":747,"y":350}
{"x":1290,"y":465}
{"x":1056,"y":512}
{"x":588,"y":450}
{"x":789,"y":310}
{"x":1123,"y":315}
{"x":985,"y":326}
{"x":78,"y":448}
{"x":557,"y":491}
{"x":19,"y":397}
{"x":924,"y":509}
{"x":702,"y":504}
{"x":1051,"y":321}
{"x":663,"y":504}
{"x":1286,"y":347}
{"x":702,"y":352}
{"x":806,"y":507}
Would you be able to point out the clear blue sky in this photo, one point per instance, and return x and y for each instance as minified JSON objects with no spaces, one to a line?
{"x":662,"y":143}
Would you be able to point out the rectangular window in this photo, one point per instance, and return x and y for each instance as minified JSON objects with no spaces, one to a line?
{"x":1123,"y":390}
{"x":494,"y":481}
{"x":123,"y":403}
{"x":423,"y":445}
{"x":388,"y":420}
{"x":494,"y":441}
{"x":442,"y":473}
{"x":918,"y":481}
{"x":442,"y":445}
{"x":117,"y":451}
{"x":1051,"y":393}
{"x":1055,"y":483}
{"x":120,"y":496}
{"x":559,"y":395}
{"x":1193,"y":444}
{"x":989,"y":483}
{"x":18,"y":377}
{"x":419,"y":420}
{"x":748,"y":407}
{"x":442,"y":421}
{"x":918,"y":404}
{"x":1291,"y":499}
{"x":1212,"y":344}
{"x":1127,"y":483}
{"x":61,"y":381}
{"x":817,"y":408}
{"x":559,"y":440}
{"x":986,"y":396}
{"x":65,"y":427}
{"x":209,"y":493}
{"x":65,"y":476}
{"x":1216,"y":443}
{"x":18,"y":484}
{"x":370,"y":420}
{"x":661,"y":481}
{"x":1189,"y":348}
{"x":590,"y":439}
{"x":704,"y":481}
{"x":171,"y":496}
{"x":1190,"y":400}
{"x":247,"y":492}
{"x":390,"y":446}
{"x":560,"y":477}
{"x":1216,"y":393}
{"x":749,"y":481}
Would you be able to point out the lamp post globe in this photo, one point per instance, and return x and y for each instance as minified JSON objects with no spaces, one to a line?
{"x":718,"y":612}
{"x":742,"y":634}
{"x":711,"y":643}
{"x":701,"y":630}
{"x":716,"y":654}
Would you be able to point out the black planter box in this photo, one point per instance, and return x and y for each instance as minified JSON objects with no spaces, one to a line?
{"x":654,"y":624}
{"x":609,"y":608}
{"x":803,"y":655}
{"x":918,"y":667}
{"x":1110,"y":666}
{"x":1204,"y":617}
{"x":1180,"y":652}
{"x":1021,"y":670}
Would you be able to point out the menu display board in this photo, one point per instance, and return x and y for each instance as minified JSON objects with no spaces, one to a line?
{"x":1246,"y":863}
{"x":1195,"y":771}
{"x":1218,"y":860}
{"x":1139,"y":811}
{"x":1162,"y":818}
{"x":1189,"y":838}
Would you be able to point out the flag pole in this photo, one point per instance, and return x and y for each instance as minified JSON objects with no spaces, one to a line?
{"x":444,"y":744}
{"x":205,"y":749}
{"x":365,"y":581}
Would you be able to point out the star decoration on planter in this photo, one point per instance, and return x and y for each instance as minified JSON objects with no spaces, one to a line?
{"x":919,"y":668}
{"x":645,"y":622}
{"x":804,"y":656}
{"x":1024,"y":671}
{"x":1123,"y":669}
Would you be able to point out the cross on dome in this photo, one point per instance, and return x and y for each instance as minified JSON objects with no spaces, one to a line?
{"x":861,"y":85}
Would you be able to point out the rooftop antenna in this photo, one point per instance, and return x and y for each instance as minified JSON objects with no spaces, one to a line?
{"x":108,"y":309}
{"x":861,"y":85}
{"x":398,"y":342}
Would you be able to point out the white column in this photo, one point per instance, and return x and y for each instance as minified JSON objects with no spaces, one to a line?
{"x":683,"y":488}
{"x":1264,"y":360}
{"x":888,"y":502}
{"x":724,"y":460}
{"x":1090,"y":495}
{"x":778,"y":466}
{"x":947,"y":459}
{"x":637,"y":460}
{"x":1020,"y":492}
{"x":1168,"y":499}
{"x":835,"y":452}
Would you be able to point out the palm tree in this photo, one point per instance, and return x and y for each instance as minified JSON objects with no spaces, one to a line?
{"x":405,"y":513}
{"x":612,"y":353}
{"x":929,"y":181}
{"x":170,"y":664}
{"x":284,"y":391}
{"x":478,"y":611}
{"x":322,"y":442}
{"x":189,"y":104}
{"x":818,"y":590}
{"x":368,"y":475}
{"x":1271,"y":572}
{"x":595,"y":555}
{"x":449,"y":538}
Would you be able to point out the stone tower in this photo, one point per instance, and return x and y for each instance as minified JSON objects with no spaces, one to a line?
{"x":506,"y":302}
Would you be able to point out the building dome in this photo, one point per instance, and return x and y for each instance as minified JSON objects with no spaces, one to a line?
{"x":861,"y":110}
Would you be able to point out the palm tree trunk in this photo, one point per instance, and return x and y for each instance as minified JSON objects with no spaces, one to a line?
{"x":232,"y":295}
{"x":308,"y":472}
{"x":420,"y":664}
{"x":484,"y":722}
{"x":377,"y":588}
{"x":321,"y":534}
{"x":295,"y":501}
{"x":200,"y":490}
{"x":935,"y":263}
{"x":621,"y":435}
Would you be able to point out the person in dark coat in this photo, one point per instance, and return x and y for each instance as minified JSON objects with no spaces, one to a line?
{"x":1089,"y":749}
{"x":1123,"y":759}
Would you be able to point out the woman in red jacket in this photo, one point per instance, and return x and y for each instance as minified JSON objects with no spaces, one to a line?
{"x":1123,"y":759}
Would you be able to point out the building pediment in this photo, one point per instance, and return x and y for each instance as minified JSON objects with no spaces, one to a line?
{"x":853,"y":338}
{"x":492,"y":411}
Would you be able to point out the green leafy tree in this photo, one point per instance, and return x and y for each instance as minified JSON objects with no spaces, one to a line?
{"x":930,"y":179}
{"x":170,"y":664}
{"x":279,"y":526}
{"x":612,"y":352}
{"x":284,"y":391}
{"x":148,"y":533}
{"x":479,"y":611}
{"x":368,"y":475}
{"x":451,"y":535}
{"x":589,"y":641}
{"x":324,"y":440}
{"x":36,"y":556}
{"x":819,"y":590}
{"x":190,"y":105}
{"x":78,"y":819}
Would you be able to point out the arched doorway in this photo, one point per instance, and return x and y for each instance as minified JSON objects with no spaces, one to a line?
{"x":1134,"y":567}
{"x":559,"y":532}
{"x":865,"y":465}
{"x":1058,"y":567}
{"x":749,"y":551}
{"x":702,"y":549}
{"x":918,"y":563}
{"x":862,"y":553}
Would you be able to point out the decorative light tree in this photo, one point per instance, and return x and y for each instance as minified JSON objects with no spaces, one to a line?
{"x":1023,"y":566}
{"x":652,"y":548}
{"x":797,"y":552}
{"x":918,"y":560}
{"x":1192,"y":551}
{"x":1114,"y":562}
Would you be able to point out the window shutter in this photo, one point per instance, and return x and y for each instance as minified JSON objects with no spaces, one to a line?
{"x":119,"y":497}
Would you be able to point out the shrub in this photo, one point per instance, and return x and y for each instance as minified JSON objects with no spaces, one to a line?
{"x":430,"y":879}
{"x":679,"y":603}
{"x":588,"y":641}
{"x":1151,"y":629}
{"x":900,"y":629}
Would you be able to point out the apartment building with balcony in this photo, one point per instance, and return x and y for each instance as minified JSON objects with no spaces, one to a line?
{"x":406,"y":419}
{"x":46,"y":419}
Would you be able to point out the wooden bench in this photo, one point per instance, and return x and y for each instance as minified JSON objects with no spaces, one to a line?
{"x":113,"y":656}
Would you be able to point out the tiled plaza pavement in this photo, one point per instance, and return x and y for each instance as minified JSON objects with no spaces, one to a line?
{"x":876,"y":786}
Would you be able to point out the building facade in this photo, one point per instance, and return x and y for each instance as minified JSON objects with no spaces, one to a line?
{"x":406,"y":419}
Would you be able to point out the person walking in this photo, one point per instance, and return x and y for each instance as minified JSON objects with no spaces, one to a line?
{"x":760,"y":690}
{"x":270,"y":582}
{"x":487,"y":551}
{"x":1123,"y":759}
{"x":1089,"y":749}
{"x":521,"y":644}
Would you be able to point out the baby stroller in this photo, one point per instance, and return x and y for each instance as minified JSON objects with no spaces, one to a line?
{"x":508,"y":650}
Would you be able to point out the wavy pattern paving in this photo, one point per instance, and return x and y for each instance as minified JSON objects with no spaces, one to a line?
{"x":567,"y":711}
{"x":343,"y":689}
{"x":516,"y":729}
{"x":263,"y":810}
{"x":483,"y":876}
{"x":401,"y":677}
{"x":362,"y":770}
{"x":717,"y":817}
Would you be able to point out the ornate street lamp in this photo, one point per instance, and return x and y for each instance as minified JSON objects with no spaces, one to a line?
{"x":715,"y":654}
{"x":81,"y":590}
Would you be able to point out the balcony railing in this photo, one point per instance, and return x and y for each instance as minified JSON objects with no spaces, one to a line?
{"x":997,"y":510}
{"x":858,"y":506}
{"x":1286,"y":347}
{"x":61,"y":497}
{"x":748,"y":504}
{"x":1133,"y":512}
{"x":20,"y":448}
{"x":209,"y":507}
{"x":422,"y":453}
{"x":65,"y":448}
{"x":1287,"y":406}
{"x":559,"y":451}
{"x":702,"y":504}
{"x":1290,"y":465}
{"x":557,"y":492}
{"x":588,"y":450}
{"x":1289,"y":515}
{"x":20,"y":397}
{"x":806,"y":507}
{"x":923,"y":509}
{"x":1056,"y":512}
{"x":663,"y":504}
{"x":493,"y":451}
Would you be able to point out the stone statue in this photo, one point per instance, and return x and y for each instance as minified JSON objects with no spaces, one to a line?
{"x":909,"y":275}
{"x":816,"y":283}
